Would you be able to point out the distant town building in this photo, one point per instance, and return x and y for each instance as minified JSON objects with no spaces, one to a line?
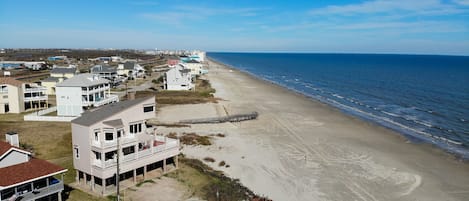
{"x":57,"y":58}
{"x":24,"y":177}
{"x":119,"y":130}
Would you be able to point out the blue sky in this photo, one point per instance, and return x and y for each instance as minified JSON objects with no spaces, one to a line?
{"x":372,"y":26}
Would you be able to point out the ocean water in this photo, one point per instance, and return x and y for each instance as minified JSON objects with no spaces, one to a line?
{"x":425,"y":98}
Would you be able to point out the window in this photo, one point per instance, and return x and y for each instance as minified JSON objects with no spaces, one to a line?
{"x":119,"y":133}
{"x":109,"y":136}
{"x":96,"y":136}
{"x":135,"y":128}
{"x":148,"y":108}
{"x":109,"y":155}
{"x":77,"y":153}
{"x":97,"y":155}
{"x":7,"y":193}
{"x":128,"y":150}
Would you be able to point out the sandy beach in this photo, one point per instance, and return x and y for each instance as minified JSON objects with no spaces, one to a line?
{"x":301,"y":149}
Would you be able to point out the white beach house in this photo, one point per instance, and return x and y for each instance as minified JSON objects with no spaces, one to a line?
{"x":178,"y":78}
{"x":118,"y":132}
{"x":82,"y":91}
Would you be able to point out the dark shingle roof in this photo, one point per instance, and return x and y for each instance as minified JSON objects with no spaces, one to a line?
{"x":92,"y":117}
{"x":82,"y":80}
{"x":129,"y":65}
{"x":51,"y":79}
{"x":103,"y":69}
{"x":61,"y":70}
{"x":114,"y":123}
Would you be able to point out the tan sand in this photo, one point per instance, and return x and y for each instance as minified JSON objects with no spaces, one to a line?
{"x":300,"y":149}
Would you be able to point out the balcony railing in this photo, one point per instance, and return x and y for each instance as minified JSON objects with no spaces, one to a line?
{"x":35,"y":89}
{"x":101,"y":101}
{"x":87,"y":92}
{"x":38,"y":193}
{"x":36,"y":98}
{"x":113,"y":143}
{"x":160,"y":145}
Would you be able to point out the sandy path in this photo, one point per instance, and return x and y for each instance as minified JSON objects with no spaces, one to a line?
{"x":301,"y":149}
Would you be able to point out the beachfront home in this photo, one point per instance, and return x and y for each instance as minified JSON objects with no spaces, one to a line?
{"x":118,"y":132}
{"x":23,"y":177}
{"x":17,"y":96}
{"x":178,"y":78}
{"x":82,"y":91}
{"x":104,"y":71}
{"x":130,"y":69}
{"x":195,"y":67}
{"x":57,"y":75}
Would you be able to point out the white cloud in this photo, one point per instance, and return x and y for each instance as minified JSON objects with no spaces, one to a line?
{"x":389,"y":6}
{"x":462,"y":2}
{"x":178,"y":15}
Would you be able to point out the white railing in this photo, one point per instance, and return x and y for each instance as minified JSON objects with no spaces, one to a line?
{"x":3,"y":91}
{"x":35,"y":89}
{"x":129,"y":157}
{"x":38,"y":116}
{"x":103,"y":101}
{"x":36,"y":98}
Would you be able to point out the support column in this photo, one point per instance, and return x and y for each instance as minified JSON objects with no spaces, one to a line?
{"x":145,"y":172}
{"x":59,"y":195}
{"x":103,"y":184}
{"x":92,"y":183}
{"x":77,"y":177}
{"x":176,"y":161}
{"x":164,"y":165}
{"x":135,"y":175}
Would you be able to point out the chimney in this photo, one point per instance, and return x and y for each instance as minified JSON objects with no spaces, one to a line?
{"x":12,"y":138}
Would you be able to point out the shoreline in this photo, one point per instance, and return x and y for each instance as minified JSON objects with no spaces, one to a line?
{"x":302,"y":149}
{"x":424,"y":139}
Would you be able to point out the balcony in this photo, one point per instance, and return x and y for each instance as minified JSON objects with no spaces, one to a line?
{"x":161,"y":146}
{"x":35,"y":89}
{"x":36,"y":98}
{"x":101,"y":101}
{"x":55,"y":187}
{"x":92,"y":91}
{"x":113,"y":143}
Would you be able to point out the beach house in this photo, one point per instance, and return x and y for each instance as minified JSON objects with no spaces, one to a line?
{"x":104,"y":71}
{"x":130,"y":69}
{"x":57,"y":75}
{"x":178,"y":78}
{"x":195,"y":67}
{"x":17,"y":96}
{"x":82,"y":91}
{"x":24,"y":177}
{"x":118,"y":134}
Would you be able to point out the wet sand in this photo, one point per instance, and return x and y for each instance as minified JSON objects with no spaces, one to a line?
{"x":301,"y":149}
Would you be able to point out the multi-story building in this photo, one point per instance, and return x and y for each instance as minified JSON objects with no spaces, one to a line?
{"x":57,"y":75}
{"x":82,"y":91}
{"x":118,"y":132}
{"x":178,"y":78}
{"x":23,"y":177}
{"x":17,"y":96}
{"x":104,"y":71}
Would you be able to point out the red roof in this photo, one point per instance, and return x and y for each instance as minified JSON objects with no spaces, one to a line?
{"x":4,"y":147}
{"x":10,"y":81}
{"x":34,"y":168}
